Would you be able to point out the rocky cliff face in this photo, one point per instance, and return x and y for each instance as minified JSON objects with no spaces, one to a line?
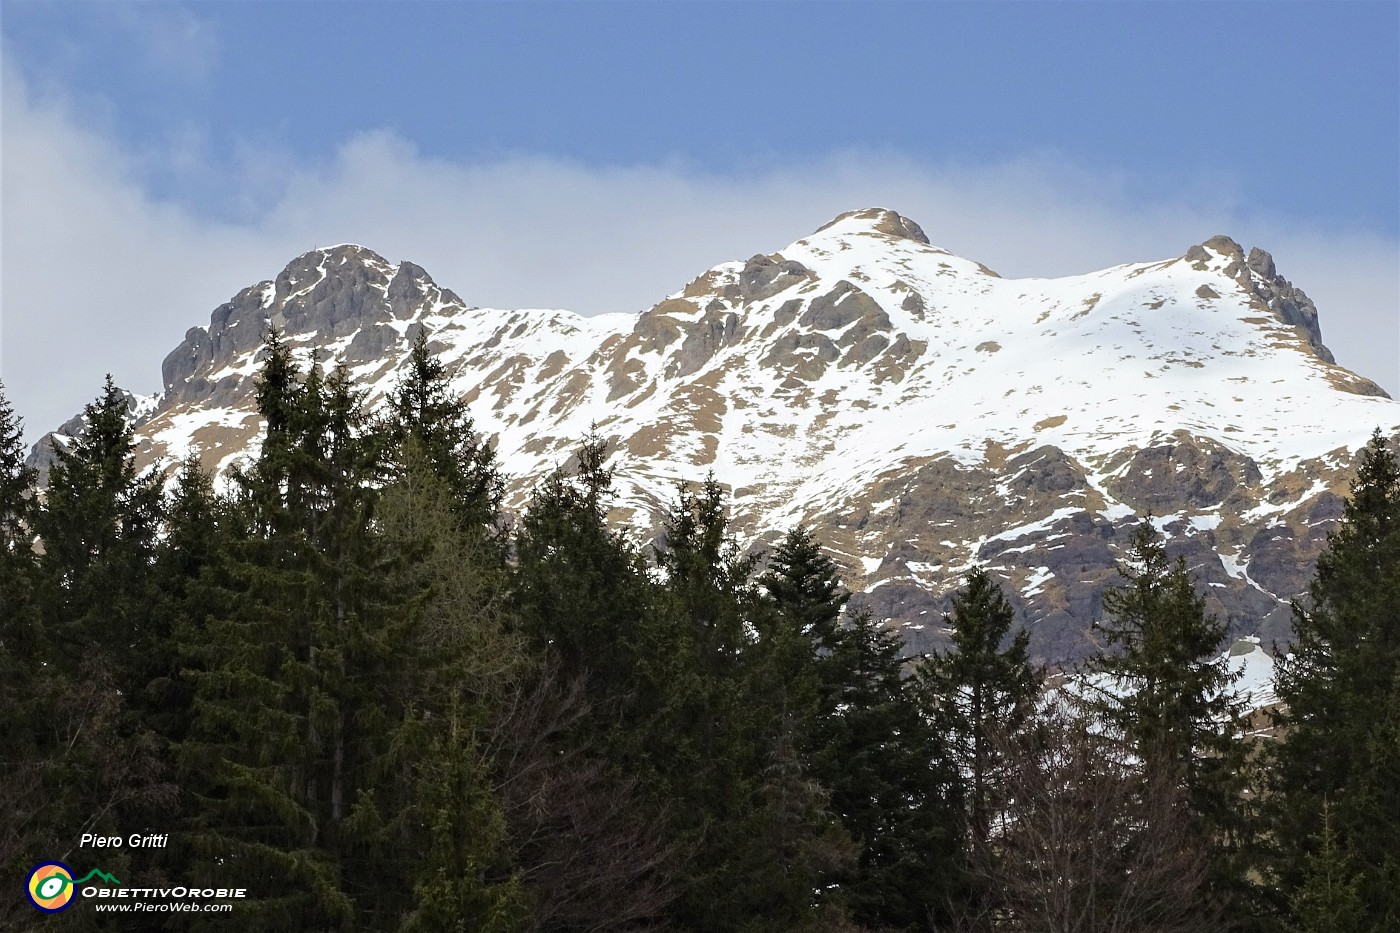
{"x":920,"y":412}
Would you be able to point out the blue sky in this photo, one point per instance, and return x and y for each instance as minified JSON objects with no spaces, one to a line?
{"x":159,"y":156}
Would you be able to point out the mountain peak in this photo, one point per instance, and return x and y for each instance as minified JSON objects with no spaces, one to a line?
{"x":920,"y":415}
{"x":315,"y":264}
{"x":877,"y":221}
{"x":1269,"y":292}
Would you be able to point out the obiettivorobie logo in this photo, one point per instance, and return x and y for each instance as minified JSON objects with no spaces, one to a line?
{"x":52,"y":888}
{"x":51,"y":885}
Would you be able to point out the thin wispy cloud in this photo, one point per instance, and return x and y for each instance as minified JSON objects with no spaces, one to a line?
{"x":99,"y":275}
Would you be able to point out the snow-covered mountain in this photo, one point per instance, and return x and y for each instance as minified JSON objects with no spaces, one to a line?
{"x":920,"y":412}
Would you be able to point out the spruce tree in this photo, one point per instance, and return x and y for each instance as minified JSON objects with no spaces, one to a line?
{"x":708,"y":575}
{"x":707,"y":747}
{"x":797,"y":831}
{"x":806,"y":587}
{"x":594,"y":848}
{"x":16,"y":483}
{"x":1328,"y":900}
{"x":94,"y":641}
{"x":430,"y":829}
{"x":894,"y":785}
{"x":197,"y":530}
{"x":25,"y":748}
{"x":98,"y":525}
{"x":981,"y":694}
{"x":1339,"y":689}
{"x":1165,"y":691}
{"x":886,"y":775}
{"x":424,"y":407}
{"x":579,"y":588}
{"x":285,"y":727}
{"x":18,"y":632}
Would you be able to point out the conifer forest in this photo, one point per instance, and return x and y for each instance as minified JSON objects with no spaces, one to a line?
{"x":344,"y":680}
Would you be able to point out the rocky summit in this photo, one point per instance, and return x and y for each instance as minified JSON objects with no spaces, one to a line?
{"x":919,"y":412}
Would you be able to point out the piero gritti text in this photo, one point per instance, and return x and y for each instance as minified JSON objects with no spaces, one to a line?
{"x":134,"y":841}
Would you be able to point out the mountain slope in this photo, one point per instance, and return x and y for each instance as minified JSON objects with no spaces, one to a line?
{"x":919,"y":411}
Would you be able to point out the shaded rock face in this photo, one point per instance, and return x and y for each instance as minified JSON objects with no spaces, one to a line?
{"x":1288,"y":303}
{"x":844,"y":305}
{"x":345,"y":291}
{"x":717,"y":329}
{"x":1043,"y":538}
{"x":1259,"y":278}
{"x":765,"y":276}
{"x":1189,"y":473}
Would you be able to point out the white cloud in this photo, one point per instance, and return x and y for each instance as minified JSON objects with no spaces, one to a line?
{"x":98,"y":276}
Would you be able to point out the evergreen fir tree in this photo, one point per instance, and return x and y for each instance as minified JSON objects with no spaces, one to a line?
{"x":98,"y":526}
{"x":430,"y":828}
{"x":797,"y":833}
{"x":424,"y":407}
{"x":1328,"y":900}
{"x":579,"y":588}
{"x":894,"y":786}
{"x":706,"y":749}
{"x":285,"y":726}
{"x":583,"y":597}
{"x":88,"y":643}
{"x":708,"y":575}
{"x":1165,"y":691}
{"x":981,"y":694}
{"x":25,"y":690}
{"x":804,"y":584}
{"x":197,"y":530}
{"x":885,"y":773}
{"x":19,"y":636}
{"x":16,"y":483}
{"x":1340,"y":693}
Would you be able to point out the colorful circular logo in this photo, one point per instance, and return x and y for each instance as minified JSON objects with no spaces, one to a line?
{"x":51,"y":887}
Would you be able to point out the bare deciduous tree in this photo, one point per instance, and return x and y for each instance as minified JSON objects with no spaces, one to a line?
{"x":588,"y":853}
{"x":1091,"y":840}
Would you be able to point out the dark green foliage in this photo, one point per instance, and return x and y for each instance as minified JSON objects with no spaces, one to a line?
{"x":1165,"y":691}
{"x":583,"y":599}
{"x":98,"y":525}
{"x":18,"y":623}
{"x":79,"y":644}
{"x":705,"y":745}
{"x":387,"y":712}
{"x":16,"y":482}
{"x":199,"y":527}
{"x":894,"y":786}
{"x":26,"y":692}
{"x":429,"y":819}
{"x":981,"y":694}
{"x":1168,"y":684}
{"x":886,"y":774}
{"x":1340,"y":713}
{"x":798,"y":833}
{"x":424,"y":408}
{"x":1328,"y":900}
{"x":804,"y":584}
{"x":285,"y":727}
{"x":708,"y":576}
{"x":579,"y":588}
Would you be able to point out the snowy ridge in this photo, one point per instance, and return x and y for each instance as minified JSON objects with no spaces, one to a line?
{"x":922,"y":413}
